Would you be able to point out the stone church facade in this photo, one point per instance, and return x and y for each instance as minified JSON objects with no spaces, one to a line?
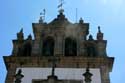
{"x":57,"y":47}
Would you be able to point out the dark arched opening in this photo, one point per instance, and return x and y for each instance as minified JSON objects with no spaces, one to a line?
{"x":70,"y":47}
{"x":27,"y":49}
{"x":48,"y":47}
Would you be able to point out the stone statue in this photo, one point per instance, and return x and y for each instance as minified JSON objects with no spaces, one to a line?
{"x":18,"y":76}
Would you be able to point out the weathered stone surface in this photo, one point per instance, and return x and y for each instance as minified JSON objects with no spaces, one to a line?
{"x":50,"y":41}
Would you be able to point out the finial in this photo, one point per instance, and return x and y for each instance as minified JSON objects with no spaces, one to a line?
{"x":29,"y":37}
{"x":99,"y":30}
{"x":42,"y":16}
{"x":20,"y":35}
{"x":60,"y":6}
{"x":90,"y":37}
{"x":81,"y":20}
{"x":21,"y":31}
{"x":99,"y":34}
{"x":18,"y":76}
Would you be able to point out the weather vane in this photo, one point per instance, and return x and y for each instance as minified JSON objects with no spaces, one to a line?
{"x":60,"y":6}
{"x":42,"y":16}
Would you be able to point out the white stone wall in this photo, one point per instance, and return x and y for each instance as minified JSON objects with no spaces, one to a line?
{"x":62,"y":73}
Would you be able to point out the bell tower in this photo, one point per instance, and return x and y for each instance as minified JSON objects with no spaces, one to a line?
{"x":61,"y":52}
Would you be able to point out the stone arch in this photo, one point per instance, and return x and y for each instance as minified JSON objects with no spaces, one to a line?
{"x":70,"y":47}
{"x":48,"y":46}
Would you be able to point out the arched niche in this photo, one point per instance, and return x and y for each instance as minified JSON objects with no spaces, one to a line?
{"x":25,"y":50}
{"x":48,"y":46}
{"x":70,"y":47}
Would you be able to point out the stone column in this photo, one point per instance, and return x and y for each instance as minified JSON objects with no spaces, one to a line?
{"x":58,"y":46}
{"x":105,"y":74}
{"x":10,"y":73}
{"x":81,"y":44}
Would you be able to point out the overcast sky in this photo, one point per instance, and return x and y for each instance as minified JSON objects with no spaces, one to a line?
{"x":109,"y":14}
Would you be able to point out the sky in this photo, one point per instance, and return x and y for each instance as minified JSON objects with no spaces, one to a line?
{"x":109,"y":14}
